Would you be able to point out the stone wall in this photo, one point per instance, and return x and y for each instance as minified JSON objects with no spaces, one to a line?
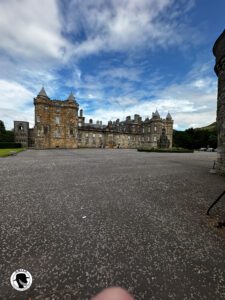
{"x":219,"y":52}
{"x":21,"y":132}
{"x":56,"y":123}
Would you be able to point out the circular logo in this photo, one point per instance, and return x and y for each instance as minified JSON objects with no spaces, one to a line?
{"x":21,"y":280}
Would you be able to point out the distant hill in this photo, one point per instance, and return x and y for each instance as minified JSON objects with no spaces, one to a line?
{"x":211,"y":127}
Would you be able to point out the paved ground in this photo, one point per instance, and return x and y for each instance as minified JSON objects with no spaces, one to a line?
{"x":82,"y":220}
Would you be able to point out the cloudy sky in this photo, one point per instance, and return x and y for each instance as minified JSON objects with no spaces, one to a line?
{"x":119,"y":57}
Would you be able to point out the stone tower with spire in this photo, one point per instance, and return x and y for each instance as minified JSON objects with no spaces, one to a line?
{"x":56,"y":122}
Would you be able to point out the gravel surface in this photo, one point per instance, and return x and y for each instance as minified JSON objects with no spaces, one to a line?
{"x":81,"y":220}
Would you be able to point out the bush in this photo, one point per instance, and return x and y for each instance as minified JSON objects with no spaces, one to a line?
{"x":6,"y":145}
{"x":173,"y":150}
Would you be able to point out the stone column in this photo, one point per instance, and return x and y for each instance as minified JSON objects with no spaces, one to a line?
{"x":219,"y":52}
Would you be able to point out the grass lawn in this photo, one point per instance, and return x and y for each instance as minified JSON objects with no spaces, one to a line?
{"x":7,"y":152}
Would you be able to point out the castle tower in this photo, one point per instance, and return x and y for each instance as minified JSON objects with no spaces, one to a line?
{"x":21,"y":132}
{"x":56,"y":122}
{"x":219,"y":52}
{"x":168,"y":125}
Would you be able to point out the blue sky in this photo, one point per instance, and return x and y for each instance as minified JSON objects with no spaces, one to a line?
{"x":119,"y":57}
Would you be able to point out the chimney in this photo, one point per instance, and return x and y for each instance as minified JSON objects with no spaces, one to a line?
{"x":81,"y":113}
{"x":90,"y":121}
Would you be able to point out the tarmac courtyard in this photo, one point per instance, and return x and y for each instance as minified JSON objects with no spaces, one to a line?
{"x":82,"y":220}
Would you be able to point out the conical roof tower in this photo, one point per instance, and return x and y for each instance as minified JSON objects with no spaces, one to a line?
{"x":168,"y":117}
{"x":42,"y":93}
{"x":72,"y":98}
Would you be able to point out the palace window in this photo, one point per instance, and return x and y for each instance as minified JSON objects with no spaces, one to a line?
{"x":155,"y":139}
{"x":57,"y":120}
{"x":155,"y":128}
{"x":57,"y":133}
{"x":46,"y":129}
{"x":38,"y":119}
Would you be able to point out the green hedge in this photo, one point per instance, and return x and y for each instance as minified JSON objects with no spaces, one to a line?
{"x":7,"y":145}
{"x":173,"y":150}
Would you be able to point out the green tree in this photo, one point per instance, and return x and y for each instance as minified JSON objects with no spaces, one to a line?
{"x":2,"y":127}
{"x":195,"y":138}
{"x":6,"y":135}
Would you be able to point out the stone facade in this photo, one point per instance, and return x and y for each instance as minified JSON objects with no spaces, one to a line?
{"x":56,"y":122}
{"x":21,"y":132}
{"x":219,"y":52}
{"x":57,"y":125}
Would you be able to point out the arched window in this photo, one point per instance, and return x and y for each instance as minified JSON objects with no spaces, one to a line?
{"x":46,"y":129}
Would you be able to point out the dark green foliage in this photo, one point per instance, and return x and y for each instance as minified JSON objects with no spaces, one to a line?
{"x":5,"y":135}
{"x":173,"y":150}
{"x":2,"y":127}
{"x":196,"y":138}
{"x":8,"y":136}
{"x":8,"y":145}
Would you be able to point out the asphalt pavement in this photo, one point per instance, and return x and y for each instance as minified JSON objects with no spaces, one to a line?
{"x":82,"y":220}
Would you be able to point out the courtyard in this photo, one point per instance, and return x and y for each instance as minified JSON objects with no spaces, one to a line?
{"x":82,"y":220}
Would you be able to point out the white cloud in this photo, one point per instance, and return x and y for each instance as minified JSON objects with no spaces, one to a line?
{"x":119,"y":25}
{"x":35,"y":46}
{"x":15,"y":103}
{"x":191,"y":104}
{"x":32,"y":29}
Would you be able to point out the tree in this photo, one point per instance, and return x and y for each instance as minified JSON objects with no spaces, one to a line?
{"x":6,"y":135}
{"x":2,"y":127}
{"x":195,"y":138}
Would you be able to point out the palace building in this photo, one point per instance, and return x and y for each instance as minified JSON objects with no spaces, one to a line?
{"x":60,"y":124}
